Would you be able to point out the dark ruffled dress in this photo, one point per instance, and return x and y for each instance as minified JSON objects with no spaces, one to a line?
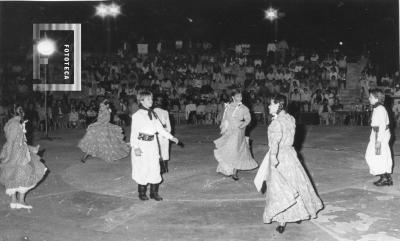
{"x":103,"y":139}
{"x":20,"y":168}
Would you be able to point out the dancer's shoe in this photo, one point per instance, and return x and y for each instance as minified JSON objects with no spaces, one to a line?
{"x":154,"y":192}
{"x":381,"y":179}
{"x":24,"y":206}
{"x":13,"y":205}
{"x":387,"y":181}
{"x":84,"y":158}
{"x":280,"y":229}
{"x":142,"y":192}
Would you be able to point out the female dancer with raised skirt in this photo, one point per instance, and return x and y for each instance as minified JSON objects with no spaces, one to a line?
{"x":20,"y":166}
{"x":232,"y":151}
{"x":103,"y":139}
{"x":290,"y":196}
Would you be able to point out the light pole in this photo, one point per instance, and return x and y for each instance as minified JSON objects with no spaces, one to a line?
{"x":107,"y":11}
{"x":272,"y":15}
{"x":46,"y":47}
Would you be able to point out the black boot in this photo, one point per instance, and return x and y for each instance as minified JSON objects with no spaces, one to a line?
{"x":235,"y":175}
{"x":280,"y":228}
{"x":154,"y":192}
{"x":381,"y":178}
{"x":142,"y":192}
{"x":84,"y":157}
{"x":387,"y":181}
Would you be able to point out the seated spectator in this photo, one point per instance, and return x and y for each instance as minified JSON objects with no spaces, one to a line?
{"x":325,"y":112}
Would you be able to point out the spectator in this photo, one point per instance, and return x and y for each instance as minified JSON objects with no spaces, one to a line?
{"x":259,"y":110}
{"x":190,"y":112}
{"x":325,"y":112}
{"x":396,"y":112}
{"x":200,"y":112}
{"x":73,"y":118}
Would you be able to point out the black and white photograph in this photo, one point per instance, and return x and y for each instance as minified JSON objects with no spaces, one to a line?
{"x":125,"y":120}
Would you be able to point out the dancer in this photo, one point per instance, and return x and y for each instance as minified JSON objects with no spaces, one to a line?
{"x":20,"y":166}
{"x":290,"y":196}
{"x":232,"y":151}
{"x":378,"y":154}
{"x":103,"y":139}
{"x":163,"y":116}
{"x":145,"y":151}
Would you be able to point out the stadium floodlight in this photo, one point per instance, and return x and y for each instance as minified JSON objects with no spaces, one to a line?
{"x":114,"y":10}
{"x":271,"y":14}
{"x":101,"y":10}
{"x":46,"y":47}
{"x":109,"y":10}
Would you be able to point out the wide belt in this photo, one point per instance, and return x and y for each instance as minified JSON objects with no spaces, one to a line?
{"x":376,"y":128}
{"x":145,"y":137}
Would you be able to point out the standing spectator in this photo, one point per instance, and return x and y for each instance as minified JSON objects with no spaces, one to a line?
{"x":306,"y":99}
{"x":73,"y":118}
{"x":190,"y":112}
{"x":396,"y":112}
{"x":200,"y":112}
{"x":325,"y":112}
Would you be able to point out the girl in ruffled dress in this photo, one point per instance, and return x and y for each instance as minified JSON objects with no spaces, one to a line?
{"x":20,"y":166}
{"x":290,"y":196}
{"x":231,"y":149}
{"x":103,"y":139}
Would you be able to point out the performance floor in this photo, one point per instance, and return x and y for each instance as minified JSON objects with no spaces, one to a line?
{"x":98,"y":201}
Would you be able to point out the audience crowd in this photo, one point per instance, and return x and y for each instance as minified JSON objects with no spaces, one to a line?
{"x":193,"y":85}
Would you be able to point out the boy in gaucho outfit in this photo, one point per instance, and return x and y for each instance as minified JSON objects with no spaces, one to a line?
{"x":145,"y":153}
{"x":378,"y":154}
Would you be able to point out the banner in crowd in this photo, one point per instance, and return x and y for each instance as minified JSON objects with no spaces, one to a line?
{"x":143,"y":48}
{"x":61,"y":71}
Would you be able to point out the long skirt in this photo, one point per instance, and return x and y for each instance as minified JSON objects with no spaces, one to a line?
{"x":22,"y":177}
{"x":379,"y":164}
{"x":104,"y":141}
{"x":290,"y":196}
{"x":233,"y":153}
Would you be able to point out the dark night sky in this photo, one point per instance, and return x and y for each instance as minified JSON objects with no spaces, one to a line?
{"x":309,"y":23}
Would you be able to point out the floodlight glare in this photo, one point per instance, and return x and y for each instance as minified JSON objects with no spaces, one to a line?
{"x":271,"y":14}
{"x":46,"y":47}
{"x":101,"y":10}
{"x":114,"y":9}
{"x":111,"y":10}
